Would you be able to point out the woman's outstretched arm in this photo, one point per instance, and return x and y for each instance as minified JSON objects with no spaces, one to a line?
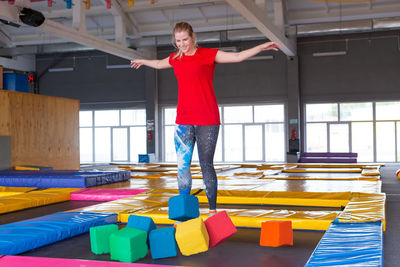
{"x":155,"y":64}
{"x":233,"y":57}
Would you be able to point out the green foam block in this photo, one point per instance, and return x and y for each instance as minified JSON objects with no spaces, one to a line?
{"x":128,"y":245}
{"x":99,"y":238}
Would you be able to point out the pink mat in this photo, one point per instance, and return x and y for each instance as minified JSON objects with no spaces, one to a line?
{"x":104,"y":194}
{"x":22,"y":261}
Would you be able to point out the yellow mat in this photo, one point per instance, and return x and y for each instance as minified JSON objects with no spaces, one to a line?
{"x":35,"y":199}
{"x":329,"y":170}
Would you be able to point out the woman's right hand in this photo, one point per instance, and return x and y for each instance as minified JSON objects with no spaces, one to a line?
{"x":137,"y":63}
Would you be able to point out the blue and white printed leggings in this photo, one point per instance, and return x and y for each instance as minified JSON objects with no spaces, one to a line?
{"x":206,"y":137}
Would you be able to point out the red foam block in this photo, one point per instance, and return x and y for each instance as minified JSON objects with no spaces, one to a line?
{"x":220,"y":228}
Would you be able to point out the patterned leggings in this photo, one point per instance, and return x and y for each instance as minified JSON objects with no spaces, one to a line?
{"x":206,"y":137}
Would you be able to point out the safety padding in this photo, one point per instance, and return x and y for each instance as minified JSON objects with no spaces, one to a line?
{"x":183,"y":207}
{"x":23,"y":261}
{"x":55,"y":179}
{"x":398,"y":173}
{"x":104,"y":194}
{"x":192,"y":237}
{"x":322,"y":170}
{"x":350,"y":244}
{"x":141,"y":222}
{"x":162,"y":243}
{"x":276,"y":233}
{"x":128,"y":245}
{"x":34,"y":198}
{"x":365,"y":207}
{"x":100,"y":238}
{"x":23,"y":236}
{"x":220,"y":228}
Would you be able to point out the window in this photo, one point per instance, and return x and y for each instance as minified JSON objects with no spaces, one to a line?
{"x":370,"y":129}
{"x":112,"y":135}
{"x":248,"y":133}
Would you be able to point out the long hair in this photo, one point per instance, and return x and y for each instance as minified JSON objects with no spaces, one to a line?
{"x":182,"y":27}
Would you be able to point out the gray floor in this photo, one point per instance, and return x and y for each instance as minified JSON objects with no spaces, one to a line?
{"x":241,"y":250}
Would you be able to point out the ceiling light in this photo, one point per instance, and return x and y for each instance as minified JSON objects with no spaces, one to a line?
{"x":329,"y":54}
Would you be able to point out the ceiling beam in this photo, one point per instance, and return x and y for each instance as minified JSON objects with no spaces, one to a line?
{"x":78,"y":16}
{"x":21,"y":63}
{"x":259,"y":19}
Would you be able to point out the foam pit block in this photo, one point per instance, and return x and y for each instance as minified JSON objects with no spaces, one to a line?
{"x":192,"y":237}
{"x":128,"y":245}
{"x":141,"y":222}
{"x":162,"y":243}
{"x":276,"y":233}
{"x":100,"y":238}
{"x":220,"y":228}
{"x":183,"y":207}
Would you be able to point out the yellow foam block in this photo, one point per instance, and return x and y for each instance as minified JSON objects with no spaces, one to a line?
{"x":192,"y":237}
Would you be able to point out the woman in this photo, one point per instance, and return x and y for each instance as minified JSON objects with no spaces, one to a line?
{"x":197,"y":112}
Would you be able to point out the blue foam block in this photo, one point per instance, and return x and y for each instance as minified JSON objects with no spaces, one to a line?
{"x":183,"y":207}
{"x":162,"y":243}
{"x":350,"y":244}
{"x":141,"y":222}
{"x":23,"y":236}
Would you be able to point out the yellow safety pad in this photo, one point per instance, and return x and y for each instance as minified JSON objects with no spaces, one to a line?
{"x":323,"y":170}
{"x":16,"y":189}
{"x":35,"y":199}
{"x":301,"y":220}
{"x":319,"y":186}
{"x":339,"y":165}
{"x":318,"y":176}
{"x":5,"y":194}
{"x":192,"y":237}
{"x":370,"y":172}
{"x":365,"y":207}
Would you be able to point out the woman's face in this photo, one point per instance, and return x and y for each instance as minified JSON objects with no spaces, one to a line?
{"x":184,"y":41}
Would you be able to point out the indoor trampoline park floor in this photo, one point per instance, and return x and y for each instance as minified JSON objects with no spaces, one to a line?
{"x":243,"y":248}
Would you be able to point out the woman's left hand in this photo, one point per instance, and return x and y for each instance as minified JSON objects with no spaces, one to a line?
{"x":270,"y":46}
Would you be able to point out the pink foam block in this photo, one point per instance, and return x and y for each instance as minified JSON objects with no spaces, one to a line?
{"x":104,"y":194}
{"x":220,"y":228}
{"x":22,"y":261}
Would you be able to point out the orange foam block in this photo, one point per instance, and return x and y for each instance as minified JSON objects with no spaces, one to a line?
{"x":276,"y":233}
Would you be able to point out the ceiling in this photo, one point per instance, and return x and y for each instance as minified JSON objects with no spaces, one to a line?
{"x":114,"y":25}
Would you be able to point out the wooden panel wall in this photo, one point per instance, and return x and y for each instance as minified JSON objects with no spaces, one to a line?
{"x":44,"y":130}
{"x":1,"y":77}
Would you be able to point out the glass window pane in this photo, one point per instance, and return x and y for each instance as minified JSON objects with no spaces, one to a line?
{"x":339,"y":138}
{"x":233,"y":137}
{"x":385,"y":141}
{"x":356,"y":112}
{"x":238,"y":114}
{"x":170,"y":153}
{"x":102,"y":145}
{"x":137,"y":142}
{"x":133,"y":117}
{"x":321,"y":112}
{"x":85,"y":118}
{"x":169,"y":116}
{"x":195,"y":155}
{"x":362,"y":141}
{"x":275,"y":142}
{"x":388,"y":111}
{"x":120,"y":144}
{"x":106,"y":117}
{"x":86,"y":144}
{"x":253,"y":142}
{"x":269,"y":113}
{"x":316,"y":137}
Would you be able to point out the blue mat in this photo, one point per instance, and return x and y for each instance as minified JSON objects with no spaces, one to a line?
{"x":350,"y":244}
{"x":23,"y":236}
{"x":53,"y":179}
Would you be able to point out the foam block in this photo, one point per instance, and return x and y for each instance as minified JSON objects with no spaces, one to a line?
{"x":100,"y":238}
{"x":192,"y":237}
{"x":276,"y":233}
{"x":220,"y":228}
{"x":162,"y":243}
{"x":141,"y":222}
{"x":128,"y":245}
{"x":183,"y":207}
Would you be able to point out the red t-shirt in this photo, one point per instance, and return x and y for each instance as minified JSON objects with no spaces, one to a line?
{"x":197,"y":104}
